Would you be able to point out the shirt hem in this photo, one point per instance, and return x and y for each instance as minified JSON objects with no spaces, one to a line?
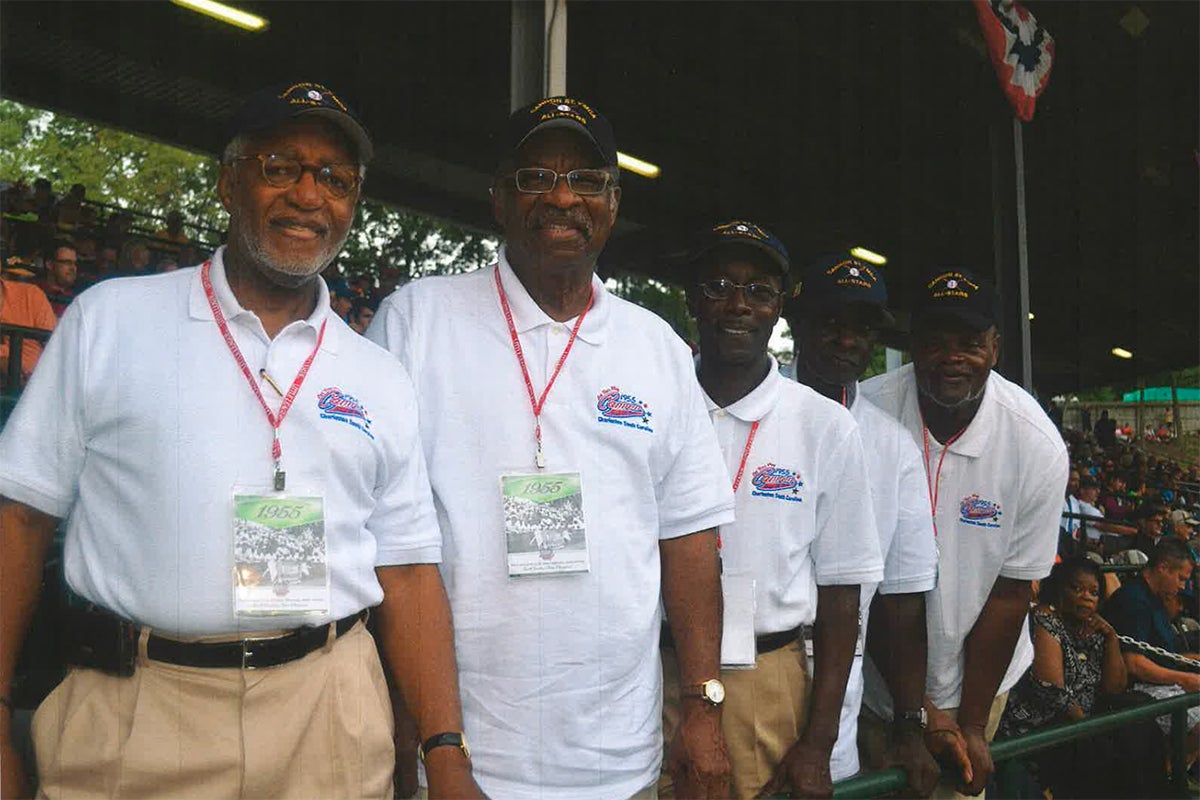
{"x":692,"y":525}
{"x":909,"y":585}
{"x":403,"y":557}
{"x":34,"y":498}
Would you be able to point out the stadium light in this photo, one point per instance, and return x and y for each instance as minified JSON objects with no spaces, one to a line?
{"x":637,"y":166}
{"x":227,"y":14}
{"x":1031,"y":316}
{"x":1121,"y":352}
{"x":869,"y":256}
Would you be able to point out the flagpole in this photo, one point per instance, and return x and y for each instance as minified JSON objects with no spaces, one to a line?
{"x":1022,"y":258}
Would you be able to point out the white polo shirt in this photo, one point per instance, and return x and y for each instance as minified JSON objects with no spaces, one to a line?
{"x":138,"y":424}
{"x":801,"y":516}
{"x":999,"y":503}
{"x":900,"y":500}
{"x":561,"y":683}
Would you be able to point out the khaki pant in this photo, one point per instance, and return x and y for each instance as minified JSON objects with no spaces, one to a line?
{"x":764,"y":713}
{"x":872,"y":740}
{"x":320,"y":726}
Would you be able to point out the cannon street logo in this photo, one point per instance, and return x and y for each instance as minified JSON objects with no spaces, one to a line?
{"x":974,"y":510}
{"x":333,"y":403}
{"x":621,"y":408}
{"x":778,"y":483}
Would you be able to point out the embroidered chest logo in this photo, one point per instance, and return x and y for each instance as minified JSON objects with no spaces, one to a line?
{"x":778,"y":483}
{"x":333,"y":403}
{"x":974,"y":510}
{"x":619,"y":408}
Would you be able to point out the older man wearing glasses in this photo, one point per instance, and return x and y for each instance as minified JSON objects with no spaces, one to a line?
{"x":576,"y":476}
{"x":242,"y":478}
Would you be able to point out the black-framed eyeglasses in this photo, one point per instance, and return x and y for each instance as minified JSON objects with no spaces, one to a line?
{"x":759,"y":294}
{"x":542,"y":180}
{"x":282,"y":172}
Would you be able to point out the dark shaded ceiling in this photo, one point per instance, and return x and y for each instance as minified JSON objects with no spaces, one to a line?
{"x":875,"y":123}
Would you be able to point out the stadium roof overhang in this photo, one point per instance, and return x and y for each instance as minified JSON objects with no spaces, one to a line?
{"x":835,"y":124}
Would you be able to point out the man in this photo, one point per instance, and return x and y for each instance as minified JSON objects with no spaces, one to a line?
{"x":59,"y":280}
{"x":1115,"y":499}
{"x":835,"y":321}
{"x":1098,"y":532}
{"x":1148,"y":519}
{"x":575,"y":475}
{"x":361,"y":314}
{"x":996,"y":470}
{"x":803,"y":541}
{"x":23,"y":304}
{"x":1139,"y":610}
{"x":228,"y":560}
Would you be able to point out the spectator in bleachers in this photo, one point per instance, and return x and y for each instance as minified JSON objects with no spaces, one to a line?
{"x":26,"y":305}
{"x":1149,"y":520}
{"x":172,"y":237}
{"x":1106,"y":430}
{"x":58,"y":280}
{"x":361,"y":313}
{"x":1078,"y":669}
{"x":1115,"y":500}
{"x":166,"y":263}
{"x":68,"y":212}
{"x":116,"y":228}
{"x":189,"y":256}
{"x":1139,"y":610}
{"x":134,"y":258}
{"x":43,"y":201}
{"x":1089,"y":494}
{"x":341,"y":297}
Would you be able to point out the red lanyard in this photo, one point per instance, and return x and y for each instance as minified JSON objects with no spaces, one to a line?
{"x":537,"y":403}
{"x":737,"y":480}
{"x":275,"y":419}
{"x":933,"y":483}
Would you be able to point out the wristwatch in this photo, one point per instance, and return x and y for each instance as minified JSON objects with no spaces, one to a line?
{"x":454,"y":739}
{"x":919,"y":716}
{"x":711,"y":691}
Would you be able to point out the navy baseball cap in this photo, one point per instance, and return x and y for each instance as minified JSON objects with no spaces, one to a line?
{"x":957,"y":294}
{"x":275,"y":105}
{"x":740,"y":231}
{"x":562,"y":112}
{"x":835,"y":280}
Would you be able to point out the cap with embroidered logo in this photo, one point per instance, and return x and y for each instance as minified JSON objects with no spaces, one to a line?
{"x":833,"y":281}
{"x":562,"y":112}
{"x":275,"y":105}
{"x":740,"y":231}
{"x":957,"y":294}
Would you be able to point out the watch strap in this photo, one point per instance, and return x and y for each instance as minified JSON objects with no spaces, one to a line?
{"x":448,"y":739}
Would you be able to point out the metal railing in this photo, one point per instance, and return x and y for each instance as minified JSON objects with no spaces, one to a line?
{"x":877,"y":784}
{"x":10,"y":386}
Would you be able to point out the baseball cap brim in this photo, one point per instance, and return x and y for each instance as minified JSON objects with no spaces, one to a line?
{"x":972,"y":319}
{"x":357,"y":133}
{"x":568,"y":124}
{"x":776,"y":257}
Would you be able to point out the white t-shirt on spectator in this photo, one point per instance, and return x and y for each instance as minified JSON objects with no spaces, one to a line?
{"x":801,"y":519}
{"x":1093,"y":533}
{"x":138,"y":424}
{"x":900,"y":498}
{"x":560,"y":676}
{"x":999,"y":504}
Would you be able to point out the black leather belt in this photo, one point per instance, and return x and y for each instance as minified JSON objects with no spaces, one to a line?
{"x":103,"y":641}
{"x":767,"y":643}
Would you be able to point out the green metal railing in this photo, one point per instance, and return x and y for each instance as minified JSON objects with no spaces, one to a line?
{"x":877,"y":784}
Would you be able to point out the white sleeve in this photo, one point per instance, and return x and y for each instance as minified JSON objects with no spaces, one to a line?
{"x":1035,"y":530}
{"x":846,"y":547}
{"x":391,"y":328}
{"x":404,"y":521}
{"x":42,"y":446}
{"x":695,"y":493}
{"x":911,"y":562}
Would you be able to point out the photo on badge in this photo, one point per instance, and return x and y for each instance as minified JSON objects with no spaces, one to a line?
{"x":279,"y":555}
{"x":543,"y":523}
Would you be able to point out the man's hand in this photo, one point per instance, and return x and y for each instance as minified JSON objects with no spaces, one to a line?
{"x":804,"y":772}
{"x":981,"y":762}
{"x":906,"y":749}
{"x":1189,"y":681}
{"x":697,"y":760}
{"x":945,"y":742}
{"x":449,"y":774}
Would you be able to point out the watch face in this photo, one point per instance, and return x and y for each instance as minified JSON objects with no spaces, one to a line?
{"x":714,"y":691}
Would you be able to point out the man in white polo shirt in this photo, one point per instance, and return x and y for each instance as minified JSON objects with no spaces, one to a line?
{"x":835,"y":320}
{"x":575,"y":474}
{"x":804,"y":540}
{"x":241,"y":477}
{"x":996,"y":469}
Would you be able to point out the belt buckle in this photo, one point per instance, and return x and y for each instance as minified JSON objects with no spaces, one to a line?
{"x":247,"y":654}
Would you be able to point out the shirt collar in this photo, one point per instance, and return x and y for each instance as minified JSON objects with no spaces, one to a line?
{"x":758,"y":402}
{"x":527,"y":314}
{"x":198,"y":307}
{"x":976,"y":438}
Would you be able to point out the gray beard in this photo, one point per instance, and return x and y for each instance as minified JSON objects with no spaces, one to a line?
{"x":970,"y":398}
{"x":287,"y":274}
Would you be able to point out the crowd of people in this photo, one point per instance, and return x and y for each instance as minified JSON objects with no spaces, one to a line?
{"x":789,"y":578}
